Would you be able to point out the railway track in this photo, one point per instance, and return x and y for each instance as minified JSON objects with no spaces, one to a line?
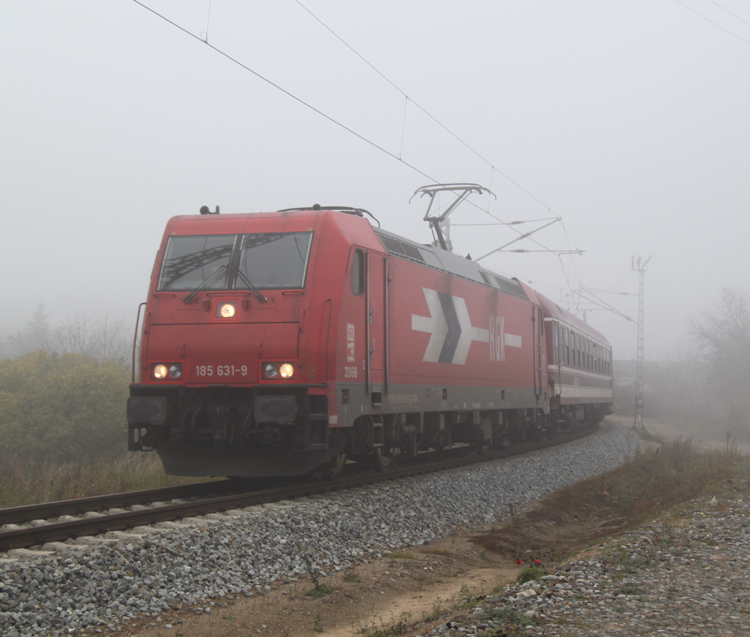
{"x":57,"y":521}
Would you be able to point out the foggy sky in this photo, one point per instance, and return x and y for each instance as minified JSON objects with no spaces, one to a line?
{"x":629,"y":119}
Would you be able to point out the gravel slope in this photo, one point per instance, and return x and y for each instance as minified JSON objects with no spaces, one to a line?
{"x":247,"y":550}
{"x":685,"y":575}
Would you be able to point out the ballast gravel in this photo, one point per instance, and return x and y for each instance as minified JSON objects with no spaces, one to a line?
{"x":151,"y":570}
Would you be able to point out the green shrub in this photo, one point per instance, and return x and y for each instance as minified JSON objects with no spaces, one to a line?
{"x":321,"y":590}
{"x":530,"y":573}
{"x":62,"y":408}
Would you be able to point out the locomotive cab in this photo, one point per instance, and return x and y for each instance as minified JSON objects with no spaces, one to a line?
{"x":233,"y":358}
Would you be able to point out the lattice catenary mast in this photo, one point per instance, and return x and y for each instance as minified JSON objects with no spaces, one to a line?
{"x":641,"y":269}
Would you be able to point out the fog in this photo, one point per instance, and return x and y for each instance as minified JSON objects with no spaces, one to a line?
{"x":628,"y":119}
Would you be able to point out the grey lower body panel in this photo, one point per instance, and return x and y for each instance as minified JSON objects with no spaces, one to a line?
{"x":352,"y":400}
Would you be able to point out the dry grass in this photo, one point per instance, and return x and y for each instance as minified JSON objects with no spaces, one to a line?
{"x":33,"y":482}
{"x":437,"y":551}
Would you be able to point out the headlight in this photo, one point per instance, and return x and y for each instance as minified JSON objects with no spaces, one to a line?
{"x":166,"y":371}
{"x":286,"y":370}
{"x":226,"y":310}
{"x":160,"y":371}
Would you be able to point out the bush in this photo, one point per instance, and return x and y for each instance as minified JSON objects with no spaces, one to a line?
{"x":530,"y":573}
{"x":62,"y":408}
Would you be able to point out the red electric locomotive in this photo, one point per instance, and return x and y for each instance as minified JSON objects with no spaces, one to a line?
{"x":274,"y":344}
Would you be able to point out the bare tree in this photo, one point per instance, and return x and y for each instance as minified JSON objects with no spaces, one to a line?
{"x":723,"y":338}
{"x":98,"y":338}
{"x":34,"y":336}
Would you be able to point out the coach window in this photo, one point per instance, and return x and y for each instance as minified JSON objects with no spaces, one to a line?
{"x":585,"y":349}
{"x":584,"y":356}
{"x":555,"y":342}
{"x":358,"y":273}
{"x":572,"y":348}
{"x":583,"y":353}
{"x":588,"y":354}
{"x":573,"y":345}
{"x":541,"y":322}
{"x":596,"y":358}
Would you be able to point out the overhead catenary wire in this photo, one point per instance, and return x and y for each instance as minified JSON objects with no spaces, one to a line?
{"x":734,"y":15}
{"x":283,"y":90}
{"x":716,"y":24}
{"x":420,"y":107}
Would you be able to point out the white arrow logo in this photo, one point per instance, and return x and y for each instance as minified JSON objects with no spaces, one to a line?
{"x":450,"y":329}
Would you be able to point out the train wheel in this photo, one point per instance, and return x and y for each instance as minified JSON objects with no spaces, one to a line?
{"x":334,"y":468}
{"x":384,"y":459}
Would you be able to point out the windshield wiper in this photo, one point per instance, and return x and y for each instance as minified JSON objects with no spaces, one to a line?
{"x":256,"y":291}
{"x":209,"y":281}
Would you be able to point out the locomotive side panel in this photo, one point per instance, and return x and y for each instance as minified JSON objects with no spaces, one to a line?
{"x":451,"y":345}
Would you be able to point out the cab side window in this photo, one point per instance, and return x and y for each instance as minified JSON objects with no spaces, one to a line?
{"x":358,"y":273}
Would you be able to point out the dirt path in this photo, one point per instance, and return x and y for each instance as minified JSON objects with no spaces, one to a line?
{"x":416,"y":605}
{"x":410,"y":585}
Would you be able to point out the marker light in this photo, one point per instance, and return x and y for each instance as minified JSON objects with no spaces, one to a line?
{"x":160,"y":371}
{"x":226,"y":310}
{"x":175,"y":371}
{"x":271,"y":371}
{"x":286,"y":370}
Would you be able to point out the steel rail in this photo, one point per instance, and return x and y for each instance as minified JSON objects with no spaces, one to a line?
{"x":14,"y":515}
{"x":58,"y":531}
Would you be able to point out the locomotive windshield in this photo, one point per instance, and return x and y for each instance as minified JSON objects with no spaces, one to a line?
{"x":276,"y":260}
{"x":196,"y":261}
{"x":224,"y":262}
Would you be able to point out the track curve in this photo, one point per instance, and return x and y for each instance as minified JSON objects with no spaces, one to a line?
{"x":13,"y":536}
